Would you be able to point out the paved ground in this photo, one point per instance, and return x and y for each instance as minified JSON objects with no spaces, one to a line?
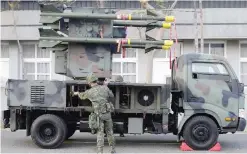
{"x":85,"y":143}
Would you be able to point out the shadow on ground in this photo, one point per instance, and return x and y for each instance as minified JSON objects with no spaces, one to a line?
{"x":16,"y":142}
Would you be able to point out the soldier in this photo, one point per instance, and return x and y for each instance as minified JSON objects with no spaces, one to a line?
{"x":100,"y":95}
{"x":101,"y":81}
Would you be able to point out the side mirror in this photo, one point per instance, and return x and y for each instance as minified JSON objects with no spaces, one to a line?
{"x":241,"y":87}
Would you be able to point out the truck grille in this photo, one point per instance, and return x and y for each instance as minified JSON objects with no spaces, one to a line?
{"x":37,"y":94}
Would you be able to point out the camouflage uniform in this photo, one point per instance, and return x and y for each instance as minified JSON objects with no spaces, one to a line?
{"x":100,"y":95}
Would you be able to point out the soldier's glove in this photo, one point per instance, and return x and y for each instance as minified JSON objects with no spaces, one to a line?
{"x":93,"y":131}
{"x":106,"y":82}
{"x":74,"y":93}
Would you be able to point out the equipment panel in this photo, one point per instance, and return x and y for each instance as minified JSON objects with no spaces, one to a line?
{"x":35,"y":93}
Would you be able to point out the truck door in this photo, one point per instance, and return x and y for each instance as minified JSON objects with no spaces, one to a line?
{"x":214,"y":88}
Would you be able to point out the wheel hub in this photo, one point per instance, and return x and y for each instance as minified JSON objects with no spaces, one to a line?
{"x":201,"y":133}
{"x":48,"y":131}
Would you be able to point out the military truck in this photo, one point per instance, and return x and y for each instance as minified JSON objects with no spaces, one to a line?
{"x":201,"y":100}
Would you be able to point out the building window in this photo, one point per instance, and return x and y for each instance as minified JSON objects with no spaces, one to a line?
{"x":243,"y":63}
{"x":37,"y":62}
{"x":127,"y":66}
{"x":4,"y":63}
{"x":214,"y":48}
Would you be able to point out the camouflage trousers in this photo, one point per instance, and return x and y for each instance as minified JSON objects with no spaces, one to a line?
{"x":106,"y":126}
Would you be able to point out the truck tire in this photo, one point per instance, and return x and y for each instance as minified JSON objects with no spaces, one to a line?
{"x":48,"y":131}
{"x":200,"y":133}
{"x":71,"y":130}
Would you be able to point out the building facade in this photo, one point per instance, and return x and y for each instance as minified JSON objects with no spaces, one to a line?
{"x":224,"y":32}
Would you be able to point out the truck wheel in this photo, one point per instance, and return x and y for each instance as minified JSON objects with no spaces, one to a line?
{"x":71,"y":130}
{"x":48,"y":131}
{"x":200,"y":133}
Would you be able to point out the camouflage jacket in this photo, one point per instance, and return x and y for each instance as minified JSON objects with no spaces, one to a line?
{"x":100,"y":96}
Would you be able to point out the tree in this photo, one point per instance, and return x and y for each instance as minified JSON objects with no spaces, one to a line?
{"x":13,"y":5}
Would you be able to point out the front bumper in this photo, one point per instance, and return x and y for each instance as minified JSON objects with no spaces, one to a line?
{"x":241,"y":124}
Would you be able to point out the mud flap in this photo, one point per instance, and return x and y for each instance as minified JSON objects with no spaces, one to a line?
{"x":13,"y":122}
{"x":5,"y":119}
{"x":241,"y":124}
{"x":28,"y":123}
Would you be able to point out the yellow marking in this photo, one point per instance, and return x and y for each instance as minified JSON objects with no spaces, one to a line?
{"x":166,"y":25}
{"x":165,"y":47}
{"x":168,"y":42}
{"x":169,"y":18}
{"x":228,"y":119}
{"x":128,"y":41}
{"x":129,"y":16}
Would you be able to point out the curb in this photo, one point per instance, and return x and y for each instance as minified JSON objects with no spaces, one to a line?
{"x":244,"y":132}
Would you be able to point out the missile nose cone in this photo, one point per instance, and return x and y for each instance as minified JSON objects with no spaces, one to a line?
{"x":169,"y":18}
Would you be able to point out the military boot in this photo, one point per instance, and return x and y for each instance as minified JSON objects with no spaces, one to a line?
{"x":100,"y":151}
{"x":113,"y":150}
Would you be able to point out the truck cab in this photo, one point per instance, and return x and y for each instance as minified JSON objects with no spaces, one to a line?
{"x":206,"y":98}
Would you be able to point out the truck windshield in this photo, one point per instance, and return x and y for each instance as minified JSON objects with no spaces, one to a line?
{"x":209,"y":68}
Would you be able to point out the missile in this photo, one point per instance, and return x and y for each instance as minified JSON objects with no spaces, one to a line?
{"x":107,"y":40}
{"x":52,"y":15}
{"x":150,"y":24}
{"x":108,"y":16}
{"x":164,"y":47}
{"x":148,"y":47}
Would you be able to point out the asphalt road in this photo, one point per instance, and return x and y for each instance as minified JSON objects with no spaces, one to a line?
{"x":17,"y":142}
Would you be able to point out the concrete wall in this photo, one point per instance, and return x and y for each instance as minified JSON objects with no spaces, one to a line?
{"x":219,"y":23}
{"x":27,"y":23}
{"x":3,"y":99}
{"x":233,"y":55}
{"x":13,"y":60}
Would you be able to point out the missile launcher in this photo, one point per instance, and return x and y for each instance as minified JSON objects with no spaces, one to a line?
{"x":85,"y":39}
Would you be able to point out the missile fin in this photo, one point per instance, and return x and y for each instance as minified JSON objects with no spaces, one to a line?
{"x":149,"y":47}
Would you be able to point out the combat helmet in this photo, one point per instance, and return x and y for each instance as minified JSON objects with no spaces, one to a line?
{"x":91,"y":78}
{"x":118,"y":78}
